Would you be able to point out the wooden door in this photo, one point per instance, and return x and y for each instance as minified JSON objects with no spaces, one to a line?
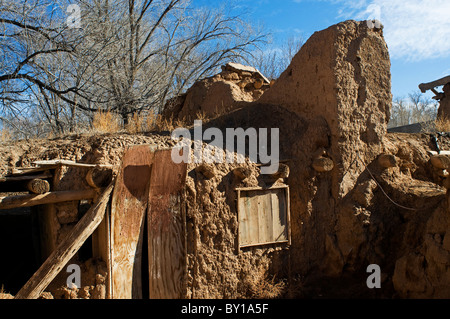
{"x":128,"y":210}
{"x":165,"y":227}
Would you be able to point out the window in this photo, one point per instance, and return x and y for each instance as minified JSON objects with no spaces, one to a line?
{"x":263,"y":216}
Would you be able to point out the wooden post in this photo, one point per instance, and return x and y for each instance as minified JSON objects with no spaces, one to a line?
{"x":66,"y":249}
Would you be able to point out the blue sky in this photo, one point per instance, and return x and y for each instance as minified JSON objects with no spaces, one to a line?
{"x":417,"y":31}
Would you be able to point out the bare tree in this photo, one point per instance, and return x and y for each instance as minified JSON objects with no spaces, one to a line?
{"x":162,"y":49}
{"x":416,"y":108}
{"x":273,"y":60}
{"x":127,"y":56}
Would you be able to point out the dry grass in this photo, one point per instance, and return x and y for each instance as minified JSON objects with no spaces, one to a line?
{"x":135,"y":124}
{"x":106,"y":122}
{"x":262,"y":286}
{"x":5,"y":135}
{"x":201,"y":116}
{"x":442,"y":124}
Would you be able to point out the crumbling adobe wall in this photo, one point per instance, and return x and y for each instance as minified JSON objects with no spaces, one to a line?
{"x":219,"y":94}
{"x":341,"y":79}
{"x":332,"y":105}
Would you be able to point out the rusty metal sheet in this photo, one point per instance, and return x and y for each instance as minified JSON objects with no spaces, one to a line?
{"x":128,"y":210}
{"x":165,"y":227}
{"x":263,"y":217}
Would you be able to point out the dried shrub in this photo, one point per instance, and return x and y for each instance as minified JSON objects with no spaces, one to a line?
{"x":106,"y":122}
{"x":136,"y":124}
{"x":442,"y":124}
{"x":260,"y":285}
{"x":5,"y":135}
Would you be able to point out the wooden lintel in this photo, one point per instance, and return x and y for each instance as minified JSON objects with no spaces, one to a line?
{"x":66,"y":249}
{"x":10,"y":202}
{"x":24,"y":177}
{"x":30,"y":170}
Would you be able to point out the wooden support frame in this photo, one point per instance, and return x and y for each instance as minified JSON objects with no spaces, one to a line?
{"x":66,"y":249}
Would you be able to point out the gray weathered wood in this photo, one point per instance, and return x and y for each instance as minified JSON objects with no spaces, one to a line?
{"x":128,"y":213}
{"x":10,"y":202}
{"x":263,"y":216}
{"x":66,"y":249}
{"x":166,"y":249}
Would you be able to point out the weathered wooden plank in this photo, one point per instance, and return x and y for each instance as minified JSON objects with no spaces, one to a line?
{"x":265,"y":218}
{"x":66,"y":249}
{"x":166,"y":251}
{"x":279,"y":218}
{"x":101,"y":247}
{"x":30,"y":170}
{"x":253,"y":224}
{"x":9,"y":202}
{"x":243,"y":220}
{"x":277,"y":223}
{"x":128,"y":210}
{"x":70,"y":163}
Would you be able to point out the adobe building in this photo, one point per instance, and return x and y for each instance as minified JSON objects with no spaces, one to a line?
{"x":346,"y":195}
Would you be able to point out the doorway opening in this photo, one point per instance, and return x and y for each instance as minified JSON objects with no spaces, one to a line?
{"x":19,"y":247}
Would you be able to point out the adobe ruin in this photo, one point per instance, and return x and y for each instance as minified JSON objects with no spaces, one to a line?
{"x":347,"y":194}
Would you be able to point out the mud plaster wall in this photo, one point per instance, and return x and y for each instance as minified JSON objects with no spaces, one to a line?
{"x":339,"y":82}
{"x":216,"y":267}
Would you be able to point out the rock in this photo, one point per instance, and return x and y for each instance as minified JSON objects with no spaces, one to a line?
{"x":242,"y":173}
{"x":46,"y":295}
{"x":323,"y":164}
{"x":219,"y":94}
{"x":282,"y":172}
{"x":207,"y":170}
{"x":258,"y":83}
{"x":440,"y":161}
{"x":387,"y":160}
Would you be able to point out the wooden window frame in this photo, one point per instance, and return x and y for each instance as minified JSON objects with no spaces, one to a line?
{"x":288,"y":220}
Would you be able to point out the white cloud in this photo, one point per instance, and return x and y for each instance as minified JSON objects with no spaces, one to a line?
{"x":414,"y":29}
